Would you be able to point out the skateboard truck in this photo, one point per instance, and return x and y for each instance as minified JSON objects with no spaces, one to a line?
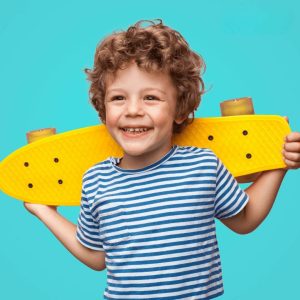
{"x":237,"y":107}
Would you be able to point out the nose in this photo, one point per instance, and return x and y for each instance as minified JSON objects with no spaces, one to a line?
{"x":134,"y":107}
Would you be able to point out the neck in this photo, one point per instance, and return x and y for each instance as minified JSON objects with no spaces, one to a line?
{"x":130,"y":162}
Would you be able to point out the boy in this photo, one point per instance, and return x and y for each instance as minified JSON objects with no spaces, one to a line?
{"x":148,"y":217}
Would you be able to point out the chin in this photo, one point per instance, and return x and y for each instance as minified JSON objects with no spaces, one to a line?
{"x":134,"y":152}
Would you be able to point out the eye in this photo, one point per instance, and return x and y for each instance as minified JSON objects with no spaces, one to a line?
{"x":151,"y":97}
{"x":117,"y":98}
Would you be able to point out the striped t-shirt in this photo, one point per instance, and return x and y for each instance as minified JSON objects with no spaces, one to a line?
{"x":156,"y":224}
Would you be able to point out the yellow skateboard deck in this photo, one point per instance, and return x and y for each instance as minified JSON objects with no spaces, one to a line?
{"x":50,"y":170}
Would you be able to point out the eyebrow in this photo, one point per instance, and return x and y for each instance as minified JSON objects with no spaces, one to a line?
{"x":144,"y":90}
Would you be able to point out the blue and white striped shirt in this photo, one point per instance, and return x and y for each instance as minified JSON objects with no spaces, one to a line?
{"x":156,"y":224}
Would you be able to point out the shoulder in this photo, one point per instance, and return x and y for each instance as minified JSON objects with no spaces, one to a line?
{"x":94,"y":173}
{"x":202,"y":159}
{"x":191,"y":152}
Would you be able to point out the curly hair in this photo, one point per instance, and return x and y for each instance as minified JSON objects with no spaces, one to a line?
{"x":153,"y":48}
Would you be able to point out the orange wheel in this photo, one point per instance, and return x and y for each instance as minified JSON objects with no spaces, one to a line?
{"x":235,"y":107}
{"x":35,"y":135}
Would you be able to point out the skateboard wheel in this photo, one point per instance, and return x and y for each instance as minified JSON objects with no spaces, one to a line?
{"x":35,"y":135}
{"x":239,"y":106}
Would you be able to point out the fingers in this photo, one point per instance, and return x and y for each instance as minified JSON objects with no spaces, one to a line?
{"x":293,"y":137}
{"x":291,"y":150}
{"x":292,"y":147}
{"x":292,"y":164}
{"x":292,"y":156}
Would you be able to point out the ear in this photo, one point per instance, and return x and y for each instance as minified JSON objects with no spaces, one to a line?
{"x":179,"y":120}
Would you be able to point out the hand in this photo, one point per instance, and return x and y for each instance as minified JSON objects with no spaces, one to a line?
{"x":35,"y":209}
{"x":291,"y":150}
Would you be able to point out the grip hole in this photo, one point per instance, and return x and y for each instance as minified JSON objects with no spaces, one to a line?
{"x":248,"y":155}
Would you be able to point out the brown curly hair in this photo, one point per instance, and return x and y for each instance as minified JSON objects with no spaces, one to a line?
{"x":152,"y":48}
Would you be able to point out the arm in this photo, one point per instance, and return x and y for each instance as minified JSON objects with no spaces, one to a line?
{"x":262,"y":194}
{"x":263,"y":191}
{"x":65,"y":232}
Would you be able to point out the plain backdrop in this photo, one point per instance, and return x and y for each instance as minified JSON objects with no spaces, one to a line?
{"x":251,"y":48}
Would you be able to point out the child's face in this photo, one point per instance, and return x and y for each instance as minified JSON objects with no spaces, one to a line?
{"x":140,"y":111}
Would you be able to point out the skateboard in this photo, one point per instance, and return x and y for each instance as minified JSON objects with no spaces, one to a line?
{"x":49,"y":170}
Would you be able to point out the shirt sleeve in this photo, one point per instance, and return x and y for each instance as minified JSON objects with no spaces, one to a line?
{"x":230,"y":199}
{"x":88,"y":229}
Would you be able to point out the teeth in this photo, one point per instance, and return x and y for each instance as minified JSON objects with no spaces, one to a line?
{"x":135,"y":129}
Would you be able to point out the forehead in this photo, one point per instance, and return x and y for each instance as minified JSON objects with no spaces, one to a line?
{"x":133,"y":77}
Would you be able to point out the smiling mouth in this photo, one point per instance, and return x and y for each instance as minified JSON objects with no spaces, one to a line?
{"x":135,"y":130}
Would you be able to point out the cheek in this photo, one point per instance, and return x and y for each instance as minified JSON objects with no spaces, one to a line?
{"x":167,"y":115}
{"x":111,"y":117}
{"x":165,"y":121}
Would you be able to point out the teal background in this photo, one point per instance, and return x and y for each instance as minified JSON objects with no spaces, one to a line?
{"x":251,"y":48}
